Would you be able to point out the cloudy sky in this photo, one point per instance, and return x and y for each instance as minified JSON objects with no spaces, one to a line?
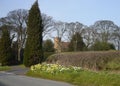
{"x":84,"y":11}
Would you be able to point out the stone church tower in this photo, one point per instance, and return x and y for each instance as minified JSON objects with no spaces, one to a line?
{"x":57,"y":44}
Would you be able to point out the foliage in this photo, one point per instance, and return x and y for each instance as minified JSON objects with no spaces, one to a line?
{"x":78,"y":77}
{"x":6,"y":57}
{"x":114,"y":64}
{"x":48,"y":46}
{"x":47,"y":54}
{"x":96,"y":60}
{"x":16,"y":20}
{"x":102,"y":46}
{"x":76,"y":43}
{"x":33,"y":50}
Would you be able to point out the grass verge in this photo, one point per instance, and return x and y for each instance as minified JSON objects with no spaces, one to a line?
{"x":3,"y":68}
{"x":82,"y":78}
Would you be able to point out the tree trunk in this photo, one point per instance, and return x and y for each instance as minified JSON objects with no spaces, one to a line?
{"x":118,"y":45}
{"x":19,"y":50}
{"x":19,"y":54}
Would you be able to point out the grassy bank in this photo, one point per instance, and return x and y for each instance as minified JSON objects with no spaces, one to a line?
{"x":79,"y":78}
{"x":3,"y":68}
{"x":83,"y":78}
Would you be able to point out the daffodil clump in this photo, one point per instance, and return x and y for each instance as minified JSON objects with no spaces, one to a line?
{"x":53,"y":68}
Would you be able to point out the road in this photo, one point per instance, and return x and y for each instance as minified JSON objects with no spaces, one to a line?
{"x":9,"y":78}
{"x":18,"y":70}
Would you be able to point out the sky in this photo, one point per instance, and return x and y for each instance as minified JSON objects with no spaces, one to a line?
{"x":83,"y":11}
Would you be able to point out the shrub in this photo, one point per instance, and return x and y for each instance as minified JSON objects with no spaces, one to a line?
{"x":47,"y":54}
{"x":76,"y":43}
{"x":48,"y":46}
{"x":92,"y":60}
{"x":102,"y":46}
{"x":113,"y":64}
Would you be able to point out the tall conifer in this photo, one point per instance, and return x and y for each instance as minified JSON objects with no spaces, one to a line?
{"x":76,"y":43}
{"x":33,"y":50}
{"x":5,"y":47}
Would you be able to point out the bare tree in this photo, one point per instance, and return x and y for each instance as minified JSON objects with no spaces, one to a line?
{"x":59,"y":28}
{"x":88,"y":36}
{"x":18,"y":20}
{"x":72,"y":28}
{"x":116,"y":38}
{"x":47,"y":24}
{"x":105,"y":29}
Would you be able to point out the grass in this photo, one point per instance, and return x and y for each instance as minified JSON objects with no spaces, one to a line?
{"x":107,"y":65}
{"x":21,"y":65}
{"x":82,"y":78}
{"x":4,"y":68}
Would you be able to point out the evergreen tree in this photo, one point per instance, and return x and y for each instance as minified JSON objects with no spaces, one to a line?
{"x":33,"y":52}
{"x":102,"y":46}
{"x":76,"y":43}
{"x":48,"y":46}
{"x":5,"y":48}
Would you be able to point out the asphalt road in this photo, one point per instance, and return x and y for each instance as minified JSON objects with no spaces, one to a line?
{"x":18,"y":70}
{"x":11,"y":79}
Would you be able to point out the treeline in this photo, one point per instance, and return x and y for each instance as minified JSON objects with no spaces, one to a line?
{"x":101,"y":31}
{"x":102,"y":35}
{"x":30,"y":40}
